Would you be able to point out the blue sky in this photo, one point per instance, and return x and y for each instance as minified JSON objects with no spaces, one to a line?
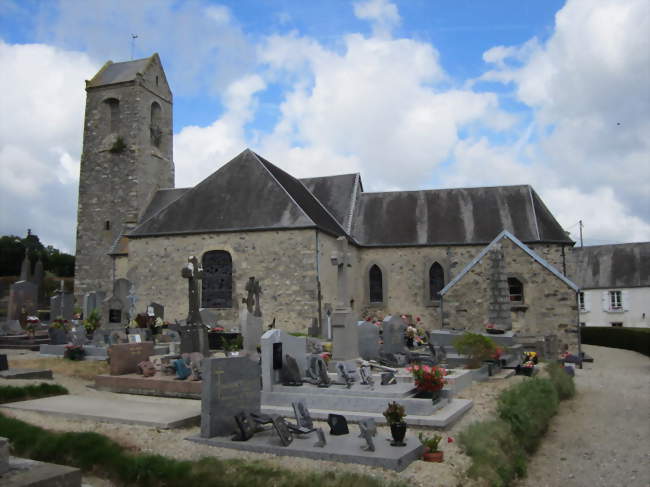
{"x":411,"y":94}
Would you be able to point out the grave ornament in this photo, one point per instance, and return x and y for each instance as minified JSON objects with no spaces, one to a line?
{"x":182,"y":371}
{"x":282,"y":429}
{"x":147,"y":368}
{"x":368,"y":425}
{"x":245,"y":429}
{"x":317,"y":371}
{"x":388,"y":378}
{"x":254,"y":291}
{"x":291,"y":372}
{"x":344,"y":374}
{"x":322,"y":441}
{"x":366,"y":375}
{"x":338,"y":424}
{"x":370,"y":444}
{"x":303,"y":418}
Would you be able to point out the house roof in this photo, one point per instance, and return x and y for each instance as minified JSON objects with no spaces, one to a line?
{"x":524,"y":247}
{"x":247,"y":193}
{"x":112,"y":73}
{"x":608,"y":266}
{"x":161,"y":199}
{"x":454,"y":216}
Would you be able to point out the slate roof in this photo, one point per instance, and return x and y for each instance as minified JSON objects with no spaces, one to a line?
{"x":337,"y":194}
{"x":161,"y":199}
{"x":247,"y":193}
{"x":454,"y":217}
{"x":612,"y":266}
{"x":521,"y":245}
{"x":112,"y":73}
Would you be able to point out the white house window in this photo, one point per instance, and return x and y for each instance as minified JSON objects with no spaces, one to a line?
{"x":615,"y":300}
{"x":581,"y":301}
{"x":617,"y":324}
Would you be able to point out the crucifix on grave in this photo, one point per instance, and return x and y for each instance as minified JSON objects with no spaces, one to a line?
{"x":193,"y":336}
{"x":341,"y":259}
{"x":345,"y":338}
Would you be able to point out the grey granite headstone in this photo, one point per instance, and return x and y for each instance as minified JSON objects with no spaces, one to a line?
{"x":22,"y":294}
{"x":230,"y":385}
{"x":345,"y":338}
{"x":115,"y":308}
{"x":291,"y":373}
{"x":61,"y":305}
{"x":77,"y":335}
{"x":194,"y":338}
{"x":393,"y":332}
{"x":369,"y":345}
{"x":294,"y":346}
{"x":93,"y":301}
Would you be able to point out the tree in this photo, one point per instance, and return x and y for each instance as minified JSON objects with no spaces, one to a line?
{"x":12,"y":254}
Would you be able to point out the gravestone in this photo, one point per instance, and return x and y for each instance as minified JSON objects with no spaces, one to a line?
{"x":124,"y":358}
{"x":12,"y":327}
{"x":283,"y":344}
{"x":301,"y":412}
{"x":290,"y":372}
{"x":344,"y":328}
{"x":58,"y":336}
{"x":252,"y":328}
{"x":282,"y":429}
{"x":115,"y":308}
{"x":230,"y":385}
{"x":23,"y":295}
{"x":369,"y":346}
{"x":393,"y":334}
{"x":208,"y":317}
{"x":338,"y":424}
{"x":194,"y":335}
{"x":77,"y":335}
{"x":317,"y":371}
{"x":322,"y":441}
{"x":93,"y":301}
{"x":61,"y":306}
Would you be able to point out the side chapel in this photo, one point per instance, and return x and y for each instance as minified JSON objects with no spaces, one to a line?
{"x":457,"y":258}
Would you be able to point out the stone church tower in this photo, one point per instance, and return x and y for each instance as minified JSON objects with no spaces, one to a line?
{"x":127,"y":157}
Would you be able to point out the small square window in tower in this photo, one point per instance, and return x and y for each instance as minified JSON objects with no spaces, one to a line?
{"x":216,"y":289}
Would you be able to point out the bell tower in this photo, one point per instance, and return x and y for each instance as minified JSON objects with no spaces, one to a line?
{"x":127,"y":156}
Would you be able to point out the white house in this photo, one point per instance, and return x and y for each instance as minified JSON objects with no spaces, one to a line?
{"x":614,"y":284}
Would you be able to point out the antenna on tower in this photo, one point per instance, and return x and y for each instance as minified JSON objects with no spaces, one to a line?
{"x":133,"y":38}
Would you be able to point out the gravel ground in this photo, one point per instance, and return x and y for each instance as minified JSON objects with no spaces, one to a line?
{"x":599,"y":438}
{"x":602,"y":436}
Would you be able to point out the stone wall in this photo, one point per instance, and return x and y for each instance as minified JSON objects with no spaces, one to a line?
{"x":283,"y":261}
{"x":116,"y":187}
{"x":549,"y":306}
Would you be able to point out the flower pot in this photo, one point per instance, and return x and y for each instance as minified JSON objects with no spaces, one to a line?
{"x":398,"y":431}
{"x":433,"y":456}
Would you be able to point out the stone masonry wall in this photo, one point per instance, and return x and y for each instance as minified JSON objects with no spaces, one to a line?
{"x":283,"y":261}
{"x":549,"y":306}
{"x":116,"y":187}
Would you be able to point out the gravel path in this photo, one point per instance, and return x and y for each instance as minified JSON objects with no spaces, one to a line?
{"x":602,"y":436}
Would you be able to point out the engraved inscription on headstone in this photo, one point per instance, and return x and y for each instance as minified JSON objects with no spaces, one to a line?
{"x":282,"y":430}
{"x":230,"y":385}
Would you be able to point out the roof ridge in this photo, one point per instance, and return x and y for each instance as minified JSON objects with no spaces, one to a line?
{"x":448,"y":189}
{"x":532,"y":205}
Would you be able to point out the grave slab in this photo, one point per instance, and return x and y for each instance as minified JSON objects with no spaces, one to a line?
{"x":44,"y":374}
{"x":24,"y":472}
{"x":163,"y":414}
{"x":345,"y":448}
{"x":161,"y":386}
{"x":93,"y":352}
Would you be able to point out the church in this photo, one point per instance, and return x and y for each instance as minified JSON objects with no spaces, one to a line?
{"x":462,"y":258}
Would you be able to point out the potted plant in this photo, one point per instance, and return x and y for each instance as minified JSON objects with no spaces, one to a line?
{"x":58,"y":331}
{"x":527,"y":368}
{"x":476,"y":347}
{"x":394,"y":415}
{"x":431,"y":451}
{"x":428,"y":380}
{"x":30,"y":325}
{"x":74,"y":352}
{"x":91,"y":323}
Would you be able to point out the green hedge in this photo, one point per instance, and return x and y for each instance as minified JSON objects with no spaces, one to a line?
{"x":93,"y":452}
{"x":636,"y":339}
{"x":498,"y":447}
{"x":18,"y":393}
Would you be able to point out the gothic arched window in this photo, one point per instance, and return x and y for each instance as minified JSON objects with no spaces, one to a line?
{"x":155,"y":130}
{"x":376,"y":285}
{"x":216,"y":288}
{"x":436,"y":281}
{"x":113,"y":106}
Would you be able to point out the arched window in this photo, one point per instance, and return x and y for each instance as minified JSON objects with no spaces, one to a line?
{"x":516,"y":289}
{"x":436,"y":281}
{"x":155,"y":130}
{"x":113,"y":108}
{"x":376,"y":284}
{"x":217,"y":280}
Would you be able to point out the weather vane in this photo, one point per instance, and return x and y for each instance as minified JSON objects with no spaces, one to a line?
{"x":133,"y":38}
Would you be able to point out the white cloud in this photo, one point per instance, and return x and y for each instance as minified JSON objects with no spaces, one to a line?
{"x":381,"y":13}
{"x":40,"y":145}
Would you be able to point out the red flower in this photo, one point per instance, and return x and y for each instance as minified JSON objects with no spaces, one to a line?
{"x":417,"y":318}
{"x":368,"y":318}
{"x":450,"y":439}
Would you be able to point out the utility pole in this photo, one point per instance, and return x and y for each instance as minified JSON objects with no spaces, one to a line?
{"x":580,"y":223}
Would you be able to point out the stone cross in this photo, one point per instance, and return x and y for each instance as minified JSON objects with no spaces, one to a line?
{"x":193,"y":272}
{"x":341,"y":259}
{"x":254,"y":290}
{"x":132,"y":300}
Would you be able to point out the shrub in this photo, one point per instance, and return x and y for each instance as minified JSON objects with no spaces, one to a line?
{"x":562,"y":381}
{"x":477,"y":347}
{"x":528,"y":407}
{"x":635,"y":339}
{"x":16,"y":393}
{"x":497,"y":456}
